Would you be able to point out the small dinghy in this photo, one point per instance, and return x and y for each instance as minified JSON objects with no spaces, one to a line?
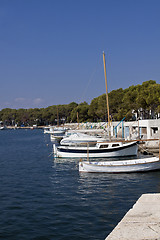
{"x":123,"y":166}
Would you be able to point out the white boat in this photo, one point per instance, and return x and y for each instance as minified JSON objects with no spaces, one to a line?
{"x":2,"y":127}
{"x":77,"y":138}
{"x":123,"y":166}
{"x":55,"y":132}
{"x":100,"y":150}
{"x":75,"y":148}
{"x":48,"y":130}
{"x":58,"y":133}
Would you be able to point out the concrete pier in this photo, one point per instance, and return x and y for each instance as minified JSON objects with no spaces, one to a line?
{"x":142,"y":222}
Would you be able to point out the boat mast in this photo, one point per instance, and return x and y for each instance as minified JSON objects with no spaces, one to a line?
{"x":57,"y":117}
{"x":78,"y":120}
{"x":104,"y":62}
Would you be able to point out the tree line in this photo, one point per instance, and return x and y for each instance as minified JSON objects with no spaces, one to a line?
{"x":122,"y":102}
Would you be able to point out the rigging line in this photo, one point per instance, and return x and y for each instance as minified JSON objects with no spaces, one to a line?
{"x":89,"y":81}
{"x":50,"y":154}
{"x":146,"y":150}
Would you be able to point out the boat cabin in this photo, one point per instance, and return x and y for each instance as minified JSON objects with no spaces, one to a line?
{"x":109,"y":145}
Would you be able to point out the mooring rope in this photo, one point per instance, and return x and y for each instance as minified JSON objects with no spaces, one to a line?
{"x":145,"y":150}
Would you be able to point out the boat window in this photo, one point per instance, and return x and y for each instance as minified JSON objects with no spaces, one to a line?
{"x":104,"y":146}
{"x":115,"y":145}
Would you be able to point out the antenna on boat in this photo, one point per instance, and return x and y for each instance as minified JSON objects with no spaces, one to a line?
{"x":104,"y":62}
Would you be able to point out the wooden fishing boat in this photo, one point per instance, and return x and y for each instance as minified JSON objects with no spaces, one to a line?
{"x":126,"y":149}
{"x":123,"y":166}
{"x":99,"y":150}
{"x":75,"y":148}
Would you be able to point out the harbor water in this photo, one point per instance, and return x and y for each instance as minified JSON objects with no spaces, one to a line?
{"x":42,"y":198}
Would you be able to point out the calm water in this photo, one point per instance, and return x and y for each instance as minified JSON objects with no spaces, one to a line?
{"x":46,"y":199}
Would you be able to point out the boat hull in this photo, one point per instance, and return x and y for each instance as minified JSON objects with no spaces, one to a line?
{"x":129,"y":149}
{"x":125,"y":166}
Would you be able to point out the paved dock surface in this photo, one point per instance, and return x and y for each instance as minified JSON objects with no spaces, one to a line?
{"x":142,"y":222}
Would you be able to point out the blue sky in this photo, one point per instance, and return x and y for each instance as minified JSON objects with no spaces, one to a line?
{"x":51,"y":50}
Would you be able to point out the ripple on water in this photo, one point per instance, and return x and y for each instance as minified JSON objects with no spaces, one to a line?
{"x":48,"y":199}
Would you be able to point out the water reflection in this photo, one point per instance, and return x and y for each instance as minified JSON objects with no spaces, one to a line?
{"x":92,"y":204}
{"x":109,"y":183}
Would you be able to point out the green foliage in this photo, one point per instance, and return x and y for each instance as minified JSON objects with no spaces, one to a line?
{"x":82,"y":111}
{"x":121,"y":104}
{"x":98,"y":109}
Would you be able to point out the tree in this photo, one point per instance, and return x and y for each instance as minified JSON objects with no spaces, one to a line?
{"x":121,"y":104}
{"x":82,"y":110}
